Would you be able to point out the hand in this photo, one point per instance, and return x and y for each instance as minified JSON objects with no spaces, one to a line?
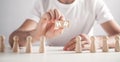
{"x":22,"y":37}
{"x":70,"y":46}
{"x":48,"y":23}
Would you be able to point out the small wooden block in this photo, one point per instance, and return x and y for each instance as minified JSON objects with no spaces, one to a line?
{"x":2,"y":44}
{"x":78,"y":47}
{"x":117,"y":43}
{"x":29,"y":44}
{"x":16,"y":44}
{"x":105,"y":44}
{"x":92,"y":46}
{"x":42,"y":44}
{"x":61,"y":24}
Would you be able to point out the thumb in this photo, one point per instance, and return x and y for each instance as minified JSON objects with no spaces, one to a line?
{"x":84,"y":37}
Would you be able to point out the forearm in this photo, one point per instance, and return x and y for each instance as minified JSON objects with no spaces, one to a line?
{"x":22,"y":34}
{"x":111,"y":41}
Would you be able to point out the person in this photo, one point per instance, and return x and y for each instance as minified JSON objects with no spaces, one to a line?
{"x":81,"y":14}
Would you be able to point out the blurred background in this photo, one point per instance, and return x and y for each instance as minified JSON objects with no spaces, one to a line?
{"x":14,"y":12}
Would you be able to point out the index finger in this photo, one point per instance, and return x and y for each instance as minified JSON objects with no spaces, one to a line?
{"x":69,"y":44}
{"x":57,"y":14}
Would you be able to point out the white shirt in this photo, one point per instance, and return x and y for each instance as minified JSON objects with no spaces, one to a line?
{"x":81,"y":14}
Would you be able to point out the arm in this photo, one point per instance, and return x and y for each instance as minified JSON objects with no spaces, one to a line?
{"x":113,"y":29}
{"x":29,"y":27}
{"x":45,"y":27}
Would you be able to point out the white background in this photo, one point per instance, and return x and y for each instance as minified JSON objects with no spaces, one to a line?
{"x":14,"y":12}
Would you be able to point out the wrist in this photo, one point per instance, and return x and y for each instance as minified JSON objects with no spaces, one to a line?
{"x":41,"y":28}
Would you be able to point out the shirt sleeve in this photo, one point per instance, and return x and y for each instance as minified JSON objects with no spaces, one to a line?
{"x":35,"y":13}
{"x":103,"y":14}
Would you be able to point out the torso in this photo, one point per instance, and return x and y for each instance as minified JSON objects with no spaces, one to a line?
{"x":81,"y":20}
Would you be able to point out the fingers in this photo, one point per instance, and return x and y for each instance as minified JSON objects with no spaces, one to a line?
{"x":72,"y":41}
{"x":59,"y":31}
{"x":85,"y":42}
{"x":85,"y":37}
{"x":54,"y":15}
{"x":51,"y":32}
{"x":71,"y":48}
{"x":46,"y":16}
{"x":57,"y":14}
{"x":71,"y":45}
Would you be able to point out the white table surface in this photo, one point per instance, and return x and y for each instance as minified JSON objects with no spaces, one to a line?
{"x":56,"y":54}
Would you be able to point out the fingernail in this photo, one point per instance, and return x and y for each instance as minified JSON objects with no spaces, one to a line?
{"x":65,"y":49}
{"x":68,"y":49}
